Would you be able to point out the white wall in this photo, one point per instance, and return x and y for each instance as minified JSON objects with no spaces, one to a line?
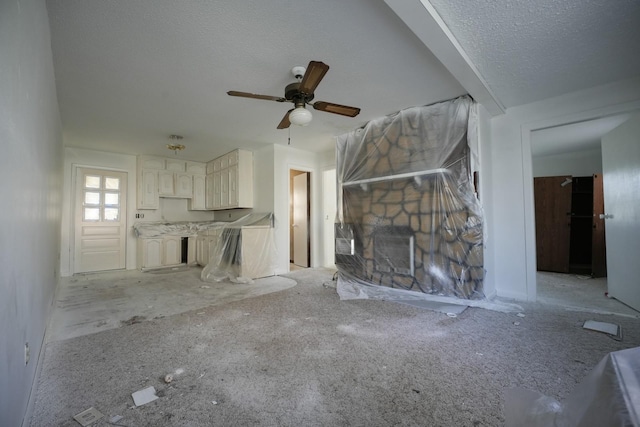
{"x":510,"y":209}
{"x":578,"y":163}
{"x":263,"y":173}
{"x":30,"y":172}
{"x":486,"y":196}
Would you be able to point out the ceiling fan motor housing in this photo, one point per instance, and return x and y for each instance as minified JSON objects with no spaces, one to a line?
{"x":292,"y":93}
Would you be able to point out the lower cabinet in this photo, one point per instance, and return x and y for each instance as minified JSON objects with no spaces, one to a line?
{"x":171,"y":250}
{"x":205,"y":246}
{"x":150,"y":253}
{"x":165,"y":251}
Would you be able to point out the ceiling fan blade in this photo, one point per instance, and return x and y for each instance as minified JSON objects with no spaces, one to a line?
{"x":255,"y":96}
{"x":285,"y":123}
{"x":312,"y":77}
{"x":336,"y":108}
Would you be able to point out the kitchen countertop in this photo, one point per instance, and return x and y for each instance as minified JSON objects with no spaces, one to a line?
{"x":191,"y":228}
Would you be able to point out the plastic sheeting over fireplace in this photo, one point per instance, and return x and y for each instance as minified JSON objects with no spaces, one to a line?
{"x":393,"y":250}
{"x":408,"y":217}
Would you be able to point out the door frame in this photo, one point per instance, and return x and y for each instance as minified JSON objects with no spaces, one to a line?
{"x":310,"y":178}
{"x":73,"y":211}
{"x":527,"y":175}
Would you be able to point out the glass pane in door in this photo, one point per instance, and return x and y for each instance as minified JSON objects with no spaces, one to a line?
{"x":91,"y":198}
{"x":111,"y":199}
{"x":91,"y":214}
{"x":92,"y":181}
{"x":111,"y":183}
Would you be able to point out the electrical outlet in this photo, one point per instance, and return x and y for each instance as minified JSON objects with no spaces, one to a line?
{"x":27,"y":353}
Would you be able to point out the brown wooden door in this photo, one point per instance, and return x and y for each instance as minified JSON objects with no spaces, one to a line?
{"x":598,"y":254}
{"x":553,"y":222}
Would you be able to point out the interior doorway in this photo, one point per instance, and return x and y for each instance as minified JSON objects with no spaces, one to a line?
{"x":567,"y":166}
{"x":299,"y":218}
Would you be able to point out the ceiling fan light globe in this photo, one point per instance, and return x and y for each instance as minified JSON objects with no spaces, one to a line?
{"x":300,"y":116}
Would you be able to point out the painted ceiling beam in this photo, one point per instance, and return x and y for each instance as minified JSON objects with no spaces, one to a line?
{"x":425,"y":22}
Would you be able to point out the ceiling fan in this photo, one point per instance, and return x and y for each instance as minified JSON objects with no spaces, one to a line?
{"x":300,"y":94}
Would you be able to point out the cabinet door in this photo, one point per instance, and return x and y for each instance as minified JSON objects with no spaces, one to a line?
{"x":202,"y":253}
{"x":210,"y":191}
{"x":172,"y":248}
{"x":224,"y":188}
{"x":217,"y":190}
{"x":175,"y":165}
{"x":233,"y":186}
{"x":184,"y":185}
{"x":148,"y":190}
{"x":196,"y":168}
{"x":197,"y":201}
{"x":165,"y":183}
{"x":233,"y":158}
{"x":151,"y":253}
{"x":151,"y":163}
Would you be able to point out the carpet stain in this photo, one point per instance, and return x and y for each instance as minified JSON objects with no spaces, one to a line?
{"x":133,"y":320}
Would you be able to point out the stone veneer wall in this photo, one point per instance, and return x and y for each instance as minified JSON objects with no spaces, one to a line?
{"x":440,"y":208}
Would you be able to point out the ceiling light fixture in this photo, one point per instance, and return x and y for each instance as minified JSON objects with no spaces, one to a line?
{"x":300,"y":116}
{"x":174,"y":146}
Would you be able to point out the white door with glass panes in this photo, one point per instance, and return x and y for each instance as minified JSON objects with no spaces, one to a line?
{"x":100,"y":220}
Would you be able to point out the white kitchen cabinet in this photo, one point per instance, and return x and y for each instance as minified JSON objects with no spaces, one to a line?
{"x":175,"y":165}
{"x":175,"y":184}
{"x":166,"y":185}
{"x":234,"y":192}
{"x":197,"y":201}
{"x":196,"y":168}
{"x":232,"y":181}
{"x":147,"y":189}
{"x":206,"y":244}
{"x":150,"y":253}
{"x":209,"y":190}
{"x":146,"y":162}
{"x":164,"y":251}
{"x":172,"y":250}
{"x":217,"y":190}
{"x":183,"y":185}
{"x":166,"y":177}
{"x":224,"y":188}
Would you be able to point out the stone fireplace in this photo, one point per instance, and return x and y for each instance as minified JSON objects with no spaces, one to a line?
{"x":393,"y":250}
{"x":413,"y":216}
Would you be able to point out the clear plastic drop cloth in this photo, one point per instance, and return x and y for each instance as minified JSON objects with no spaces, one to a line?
{"x":609,"y":396}
{"x":242,"y":250}
{"x":178,"y":228}
{"x":408,"y":216}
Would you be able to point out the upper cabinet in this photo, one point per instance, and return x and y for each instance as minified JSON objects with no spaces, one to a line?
{"x":223,"y":183}
{"x":165,"y":177}
{"x":230,"y":181}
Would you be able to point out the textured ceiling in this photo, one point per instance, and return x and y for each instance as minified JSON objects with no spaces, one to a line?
{"x":130,"y":73}
{"x":528,"y":50}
